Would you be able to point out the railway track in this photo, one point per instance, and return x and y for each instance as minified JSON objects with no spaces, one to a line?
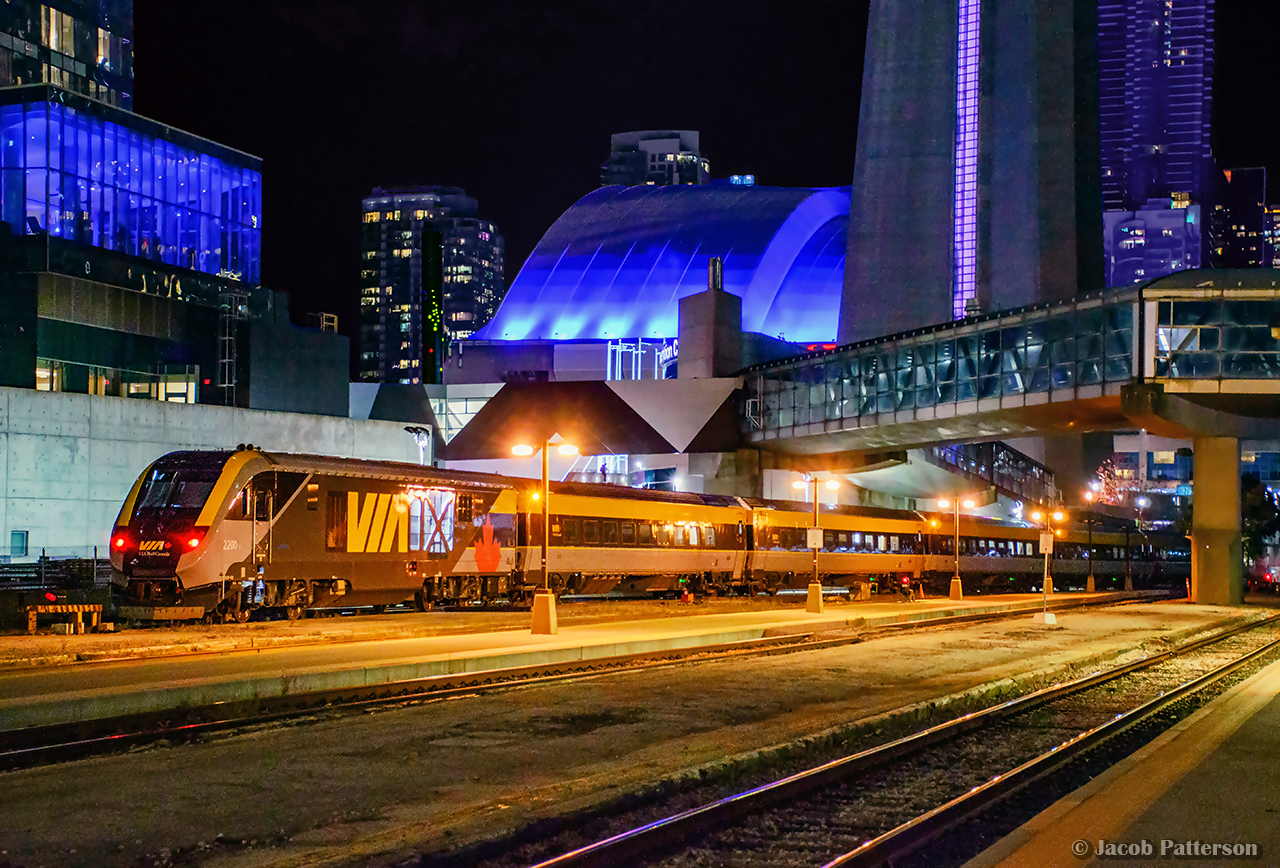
{"x":887,"y":803}
{"x":33,"y":746}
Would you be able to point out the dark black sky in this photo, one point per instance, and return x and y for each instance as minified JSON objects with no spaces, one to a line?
{"x":514,"y":100}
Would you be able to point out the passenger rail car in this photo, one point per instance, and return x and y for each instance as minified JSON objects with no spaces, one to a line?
{"x":236,"y":531}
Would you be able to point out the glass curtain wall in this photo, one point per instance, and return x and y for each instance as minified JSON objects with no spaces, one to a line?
{"x":97,"y":182}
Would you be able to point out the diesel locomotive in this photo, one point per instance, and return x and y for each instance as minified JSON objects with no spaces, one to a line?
{"x":235,"y":531}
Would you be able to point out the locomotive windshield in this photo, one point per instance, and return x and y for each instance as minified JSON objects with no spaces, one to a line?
{"x":172,"y":492}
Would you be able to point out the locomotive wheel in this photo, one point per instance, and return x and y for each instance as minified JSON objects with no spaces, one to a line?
{"x":421,"y":603}
{"x":293,"y":613}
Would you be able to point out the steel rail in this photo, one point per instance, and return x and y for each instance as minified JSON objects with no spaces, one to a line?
{"x":723,"y":812}
{"x":915,"y":833}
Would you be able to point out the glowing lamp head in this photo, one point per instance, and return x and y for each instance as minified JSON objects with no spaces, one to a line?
{"x":1037,"y":515}
{"x":1088,"y":495}
{"x":1143,"y":502}
{"x":943,"y":503}
{"x":833,"y":484}
{"x":537,"y":495}
{"x":522,"y":449}
{"x":933,"y":522}
{"x":1058,"y":516}
{"x":968,"y":504}
{"x":567,"y":449}
{"x":799,"y":485}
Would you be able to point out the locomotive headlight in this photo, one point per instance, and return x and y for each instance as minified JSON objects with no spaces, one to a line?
{"x":119,"y":541}
{"x":192,"y":539}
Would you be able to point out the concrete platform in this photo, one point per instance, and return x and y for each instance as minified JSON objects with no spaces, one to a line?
{"x":375,"y":789}
{"x":1211,"y":780}
{"x":65,"y":694}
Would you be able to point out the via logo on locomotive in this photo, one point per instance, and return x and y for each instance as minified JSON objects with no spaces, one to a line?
{"x":419,"y":519}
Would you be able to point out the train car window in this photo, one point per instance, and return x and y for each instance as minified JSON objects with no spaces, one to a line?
{"x":465,"y":508}
{"x":844,"y":541}
{"x":571,"y":531}
{"x":590,"y":531}
{"x":893,"y":542}
{"x":313,"y":496}
{"x":662,"y":534}
{"x":262,"y":505}
{"x":644,"y":533}
{"x":828,"y":539}
{"x":609,"y":533}
{"x":709,"y":532}
{"x":881,"y":543}
{"x":335,"y":521}
{"x":857,"y":539}
{"x":693,"y":534}
{"x":678,"y":536}
{"x":628,"y":533}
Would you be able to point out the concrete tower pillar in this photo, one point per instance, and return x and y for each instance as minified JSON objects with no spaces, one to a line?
{"x":1217,"y":576}
{"x":711,"y":329}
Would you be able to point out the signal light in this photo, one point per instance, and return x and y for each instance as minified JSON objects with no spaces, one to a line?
{"x":51,"y":596}
{"x":119,"y":541}
{"x":193,"y":538}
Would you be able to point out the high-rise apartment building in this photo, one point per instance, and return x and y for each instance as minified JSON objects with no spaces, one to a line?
{"x":658,"y":157}
{"x":1240,"y":225}
{"x":82,"y":46}
{"x":1155,"y":82}
{"x":975,"y":182}
{"x":432,"y":271}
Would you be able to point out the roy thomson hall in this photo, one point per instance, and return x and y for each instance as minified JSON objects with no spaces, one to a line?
{"x":130,"y":262}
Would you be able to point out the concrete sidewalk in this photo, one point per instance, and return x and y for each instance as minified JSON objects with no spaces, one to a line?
{"x":65,"y":694}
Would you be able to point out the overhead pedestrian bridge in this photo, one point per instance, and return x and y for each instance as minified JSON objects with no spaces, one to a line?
{"x":1194,"y":355}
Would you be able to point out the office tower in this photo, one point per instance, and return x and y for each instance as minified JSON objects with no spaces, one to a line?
{"x":1240,"y":224}
{"x":432,"y":271}
{"x":658,"y":157}
{"x":82,"y":46}
{"x":1155,"y":69}
{"x":1155,"y":93}
{"x":976,"y":179}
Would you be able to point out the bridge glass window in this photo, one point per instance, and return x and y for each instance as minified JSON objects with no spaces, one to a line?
{"x":571,"y":531}
{"x":591,"y":531}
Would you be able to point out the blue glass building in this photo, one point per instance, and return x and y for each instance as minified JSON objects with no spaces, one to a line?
{"x":616,"y":264}
{"x":93,"y":174}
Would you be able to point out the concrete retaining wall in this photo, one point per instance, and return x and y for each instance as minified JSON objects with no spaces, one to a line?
{"x":70,"y":459}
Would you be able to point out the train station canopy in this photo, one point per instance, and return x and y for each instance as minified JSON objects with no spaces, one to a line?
{"x":616,"y":264}
{"x":617,"y":417}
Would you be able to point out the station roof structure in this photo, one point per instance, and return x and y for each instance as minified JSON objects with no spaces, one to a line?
{"x":616,"y":264}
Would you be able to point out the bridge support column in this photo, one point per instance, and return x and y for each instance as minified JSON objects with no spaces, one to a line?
{"x":1217,"y":576}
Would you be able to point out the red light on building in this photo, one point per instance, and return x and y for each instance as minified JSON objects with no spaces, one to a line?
{"x":206,"y":381}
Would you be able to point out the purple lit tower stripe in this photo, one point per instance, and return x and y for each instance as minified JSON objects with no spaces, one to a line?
{"x":964,"y":286}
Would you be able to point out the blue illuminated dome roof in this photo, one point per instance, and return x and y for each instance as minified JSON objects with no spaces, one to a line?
{"x":616,"y":264}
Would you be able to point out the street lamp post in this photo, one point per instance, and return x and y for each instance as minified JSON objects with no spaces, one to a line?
{"x":1090,"y":585}
{"x":1044,"y":616}
{"x":544,"y":599}
{"x":814,"y":602}
{"x":957,"y":588}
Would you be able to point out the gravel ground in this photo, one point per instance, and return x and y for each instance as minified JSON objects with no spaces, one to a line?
{"x":376,"y":788}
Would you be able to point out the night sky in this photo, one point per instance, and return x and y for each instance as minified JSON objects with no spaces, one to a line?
{"x":514,"y":101}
